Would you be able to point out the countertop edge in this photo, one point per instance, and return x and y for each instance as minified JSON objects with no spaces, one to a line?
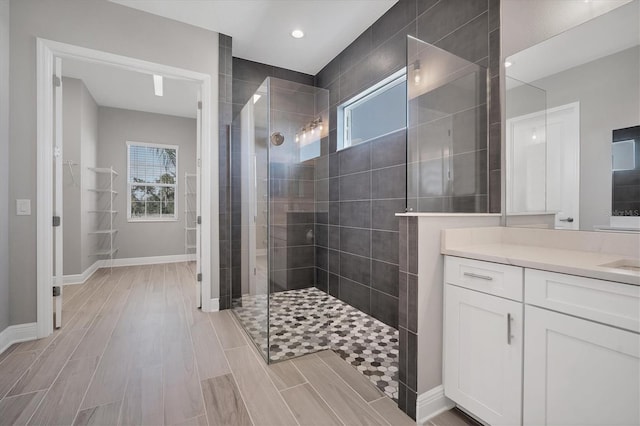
{"x":562,"y":269}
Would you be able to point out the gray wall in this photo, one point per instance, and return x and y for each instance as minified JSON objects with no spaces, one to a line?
{"x":115,"y":128}
{"x":80,"y":138}
{"x":4,"y":164}
{"x":606,"y":104}
{"x":97,"y":24}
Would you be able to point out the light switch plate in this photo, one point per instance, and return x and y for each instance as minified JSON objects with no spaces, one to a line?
{"x":23,"y":207}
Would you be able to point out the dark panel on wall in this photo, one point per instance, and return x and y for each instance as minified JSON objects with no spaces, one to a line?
{"x":224,"y":141}
{"x":367,"y":183}
{"x":291,"y":266}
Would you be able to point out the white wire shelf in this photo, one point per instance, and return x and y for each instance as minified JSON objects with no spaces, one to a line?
{"x":103,"y":170}
{"x":189,"y":229}
{"x":105,"y":252}
{"x":103,"y":190}
{"x":104,"y":232}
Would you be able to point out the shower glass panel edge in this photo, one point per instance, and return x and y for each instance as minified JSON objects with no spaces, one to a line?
{"x":281,"y":133}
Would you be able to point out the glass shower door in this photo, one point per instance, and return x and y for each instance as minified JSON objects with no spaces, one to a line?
{"x":250,"y":218}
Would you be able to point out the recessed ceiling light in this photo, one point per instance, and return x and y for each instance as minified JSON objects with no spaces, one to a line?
{"x":507,"y":64}
{"x":297,"y":34}
{"x":157,"y":85}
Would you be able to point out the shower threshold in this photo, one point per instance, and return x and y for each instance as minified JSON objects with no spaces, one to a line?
{"x":308,"y":320}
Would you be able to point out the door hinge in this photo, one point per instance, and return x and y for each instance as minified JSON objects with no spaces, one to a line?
{"x":56,"y":290}
{"x":199,"y":277}
{"x":57,"y":221}
{"x":56,"y":81}
{"x":255,"y":271}
{"x":200,"y":105}
{"x":199,"y":220}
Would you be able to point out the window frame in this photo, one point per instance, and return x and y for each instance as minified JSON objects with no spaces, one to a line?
{"x":175,"y":185}
{"x":344,"y":110}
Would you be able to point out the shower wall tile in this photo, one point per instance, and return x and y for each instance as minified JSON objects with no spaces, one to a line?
{"x":371,"y":178}
{"x":225,"y":108}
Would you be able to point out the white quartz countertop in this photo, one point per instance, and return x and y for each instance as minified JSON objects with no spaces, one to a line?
{"x":493,"y":248}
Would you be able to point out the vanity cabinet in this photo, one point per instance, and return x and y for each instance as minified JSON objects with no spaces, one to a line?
{"x":579,"y":372}
{"x":567,"y":352}
{"x":483,"y":339}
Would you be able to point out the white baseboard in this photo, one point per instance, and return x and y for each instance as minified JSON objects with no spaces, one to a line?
{"x":151,"y":260}
{"x":16,"y":334}
{"x":132,"y":261}
{"x":83,"y":277}
{"x":212,"y":305}
{"x":432,"y":403}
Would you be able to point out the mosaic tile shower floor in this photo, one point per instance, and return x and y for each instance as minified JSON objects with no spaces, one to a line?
{"x":309,"y":320}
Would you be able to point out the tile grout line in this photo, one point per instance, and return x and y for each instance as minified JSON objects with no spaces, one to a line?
{"x":261,"y":362}
{"x":105,"y":347}
{"x":318,"y":393}
{"x":224,"y":351}
{"x":193,"y":348}
{"x":71,"y":354}
{"x":40,"y":354}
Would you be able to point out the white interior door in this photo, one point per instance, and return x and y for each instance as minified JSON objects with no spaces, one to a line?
{"x":563,"y":165}
{"x":57,"y":197}
{"x":543,"y":164}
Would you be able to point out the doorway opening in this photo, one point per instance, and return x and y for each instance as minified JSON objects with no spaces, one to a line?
{"x":127,"y":184}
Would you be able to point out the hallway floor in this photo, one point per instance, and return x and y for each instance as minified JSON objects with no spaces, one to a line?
{"x":134,"y":350}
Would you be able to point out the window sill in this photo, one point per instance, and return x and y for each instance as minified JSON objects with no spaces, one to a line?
{"x":151,"y":220}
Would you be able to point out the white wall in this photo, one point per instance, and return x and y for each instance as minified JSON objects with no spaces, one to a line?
{"x":96,"y":24}
{"x":528,"y":22}
{"x":4,"y":164}
{"x":115,"y":128}
{"x":80,"y":130}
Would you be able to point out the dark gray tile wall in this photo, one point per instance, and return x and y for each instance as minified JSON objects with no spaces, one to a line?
{"x":367,"y":184}
{"x":626,"y":183}
{"x":357,"y":256}
{"x":408,"y":315}
{"x":290,"y":229}
{"x":224,"y":146}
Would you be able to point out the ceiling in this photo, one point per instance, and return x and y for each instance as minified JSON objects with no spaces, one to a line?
{"x":605,"y":35}
{"x":119,"y":88}
{"x":261,"y":29}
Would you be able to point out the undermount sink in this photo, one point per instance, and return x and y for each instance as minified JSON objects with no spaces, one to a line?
{"x":632,"y":265}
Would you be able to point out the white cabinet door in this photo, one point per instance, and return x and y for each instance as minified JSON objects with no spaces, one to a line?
{"x":483,"y":355}
{"x":577,"y":372}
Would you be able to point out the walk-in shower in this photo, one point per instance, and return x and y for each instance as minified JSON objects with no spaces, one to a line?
{"x":279,"y":214}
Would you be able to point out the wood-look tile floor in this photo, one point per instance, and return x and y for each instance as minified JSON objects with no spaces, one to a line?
{"x":134,"y":349}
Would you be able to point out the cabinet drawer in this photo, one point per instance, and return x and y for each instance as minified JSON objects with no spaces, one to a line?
{"x":607,"y":302}
{"x":487,"y":277}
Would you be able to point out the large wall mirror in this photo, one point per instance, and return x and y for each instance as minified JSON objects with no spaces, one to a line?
{"x":572,"y":128}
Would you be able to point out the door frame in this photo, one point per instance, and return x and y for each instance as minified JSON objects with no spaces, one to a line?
{"x":46,"y":52}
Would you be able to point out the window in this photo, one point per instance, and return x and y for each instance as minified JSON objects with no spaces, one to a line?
{"x":379,"y":110}
{"x":152,"y":172}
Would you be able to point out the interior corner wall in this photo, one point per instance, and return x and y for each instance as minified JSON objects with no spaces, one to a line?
{"x":117,"y":126}
{"x":88,"y":158}
{"x":4,"y":164}
{"x":80,"y":130}
{"x":105,"y":26}
{"x":72,"y":190}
